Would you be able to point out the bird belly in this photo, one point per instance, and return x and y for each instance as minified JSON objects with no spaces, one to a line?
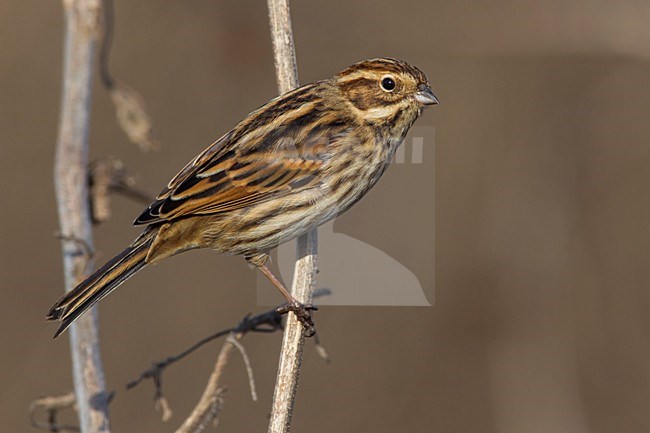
{"x":266,"y":225}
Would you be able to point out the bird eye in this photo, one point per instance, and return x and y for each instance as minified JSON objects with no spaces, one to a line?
{"x":388,"y":84}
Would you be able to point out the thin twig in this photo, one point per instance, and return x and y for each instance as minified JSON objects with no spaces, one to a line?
{"x":320,"y":350}
{"x":52,"y":405}
{"x":307,"y":245}
{"x":204,"y":411}
{"x":82,"y":19}
{"x":131,"y":111}
{"x":106,"y":44}
{"x":247,"y":363}
{"x":108,"y":175}
{"x":212,"y":399}
{"x":269,"y":321}
{"x":162,"y":405}
{"x":155,"y":371}
{"x":132,"y":192}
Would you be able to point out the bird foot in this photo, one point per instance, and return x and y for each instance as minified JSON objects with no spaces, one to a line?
{"x":302,"y":312}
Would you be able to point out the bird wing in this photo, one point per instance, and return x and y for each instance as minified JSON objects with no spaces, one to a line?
{"x":238,"y":171}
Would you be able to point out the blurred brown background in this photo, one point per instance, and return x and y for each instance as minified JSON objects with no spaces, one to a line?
{"x":540,"y":323}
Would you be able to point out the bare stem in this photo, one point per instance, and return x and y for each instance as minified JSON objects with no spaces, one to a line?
{"x":82,"y":19}
{"x":305,"y":268}
{"x":209,"y":405}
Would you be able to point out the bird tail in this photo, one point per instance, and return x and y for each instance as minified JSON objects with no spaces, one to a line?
{"x":102,"y":282}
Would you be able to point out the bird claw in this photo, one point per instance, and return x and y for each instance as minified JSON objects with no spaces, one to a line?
{"x":302,"y":312}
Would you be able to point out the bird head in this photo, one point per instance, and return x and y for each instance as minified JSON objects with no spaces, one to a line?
{"x":377,"y":89}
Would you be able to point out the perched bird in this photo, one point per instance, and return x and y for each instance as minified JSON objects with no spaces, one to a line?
{"x":289,"y":166}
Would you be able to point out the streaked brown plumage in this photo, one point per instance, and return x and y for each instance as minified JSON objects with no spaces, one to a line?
{"x":293,"y":164}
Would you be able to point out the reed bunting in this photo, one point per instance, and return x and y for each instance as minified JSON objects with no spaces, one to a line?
{"x":289,"y":166}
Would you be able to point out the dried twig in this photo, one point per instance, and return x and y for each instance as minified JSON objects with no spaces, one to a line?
{"x":81,"y":31}
{"x":269,"y":321}
{"x":204,"y":411}
{"x":320,"y":349}
{"x":247,"y":362}
{"x":132,"y":115}
{"x":305,"y":268}
{"x":107,"y":175}
{"x":52,"y":405}
{"x":212,"y":399}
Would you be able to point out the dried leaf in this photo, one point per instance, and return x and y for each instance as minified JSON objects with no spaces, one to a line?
{"x":132,"y":116}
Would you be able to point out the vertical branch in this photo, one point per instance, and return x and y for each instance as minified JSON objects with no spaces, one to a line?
{"x":82,"y":19}
{"x":284,"y":53}
{"x":305,"y":268}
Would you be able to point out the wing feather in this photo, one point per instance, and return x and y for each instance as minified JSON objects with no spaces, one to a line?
{"x":240,"y":169}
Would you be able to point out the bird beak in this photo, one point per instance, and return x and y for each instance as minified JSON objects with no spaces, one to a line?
{"x":425,"y":95}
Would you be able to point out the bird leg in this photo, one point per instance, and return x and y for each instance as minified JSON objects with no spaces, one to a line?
{"x":302,"y":311}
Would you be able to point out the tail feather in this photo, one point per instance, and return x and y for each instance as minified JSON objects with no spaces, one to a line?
{"x":102,"y":282}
